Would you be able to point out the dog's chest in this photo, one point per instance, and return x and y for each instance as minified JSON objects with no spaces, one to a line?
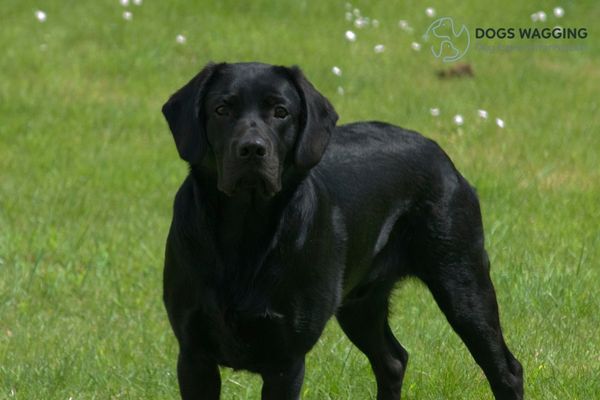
{"x":247,"y":340}
{"x":256,"y":318}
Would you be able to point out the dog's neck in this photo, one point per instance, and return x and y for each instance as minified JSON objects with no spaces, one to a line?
{"x":245,"y":229}
{"x":247,"y":222}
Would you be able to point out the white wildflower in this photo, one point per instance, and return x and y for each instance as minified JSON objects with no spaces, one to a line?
{"x":40,"y":15}
{"x":405,"y":26}
{"x":351,"y":36}
{"x":559,"y":12}
{"x":541,"y":16}
{"x":361,"y":22}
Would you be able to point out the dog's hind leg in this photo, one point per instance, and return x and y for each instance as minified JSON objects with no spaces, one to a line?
{"x":465,"y":294}
{"x":365,"y":321}
{"x":455,"y":267}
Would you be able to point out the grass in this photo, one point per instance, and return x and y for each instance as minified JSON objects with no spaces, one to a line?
{"x":88,"y":171}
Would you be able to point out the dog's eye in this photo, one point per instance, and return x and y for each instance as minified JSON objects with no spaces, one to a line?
{"x":280,"y":112}
{"x":222,"y":110}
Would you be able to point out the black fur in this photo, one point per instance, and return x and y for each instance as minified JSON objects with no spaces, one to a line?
{"x":286,"y":220}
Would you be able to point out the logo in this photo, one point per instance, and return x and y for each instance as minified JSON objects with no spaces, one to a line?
{"x":446,"y":43}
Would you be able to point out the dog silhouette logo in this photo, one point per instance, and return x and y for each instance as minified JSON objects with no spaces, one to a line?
{"x":446,"y":42}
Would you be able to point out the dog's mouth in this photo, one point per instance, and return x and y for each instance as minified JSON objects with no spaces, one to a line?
{"x":262,"y":179}
{"x":255,"y":184}
{"x":250,"y":183}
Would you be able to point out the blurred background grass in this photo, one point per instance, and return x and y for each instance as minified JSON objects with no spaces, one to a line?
{"x":88,"y":171}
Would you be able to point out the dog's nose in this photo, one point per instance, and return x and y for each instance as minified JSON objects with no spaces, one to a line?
{"x":253,"y":147}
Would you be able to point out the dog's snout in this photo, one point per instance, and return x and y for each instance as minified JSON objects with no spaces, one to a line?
{"x":252,"y":147}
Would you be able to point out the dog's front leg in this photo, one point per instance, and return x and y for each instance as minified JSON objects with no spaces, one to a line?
{"x":284,"y":384}
{"x":198,"y":377}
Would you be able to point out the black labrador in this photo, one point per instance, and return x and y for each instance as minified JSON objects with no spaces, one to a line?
{"x":286,"y":220}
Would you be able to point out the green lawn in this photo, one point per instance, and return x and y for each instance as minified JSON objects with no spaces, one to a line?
{"x":88,"y":171}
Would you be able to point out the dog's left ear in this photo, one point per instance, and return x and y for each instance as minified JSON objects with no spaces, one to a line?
{"x":183,"y":113}
{"x":317,"y":122}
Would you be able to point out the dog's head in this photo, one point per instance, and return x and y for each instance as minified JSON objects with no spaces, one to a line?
{"x":248,"y":122}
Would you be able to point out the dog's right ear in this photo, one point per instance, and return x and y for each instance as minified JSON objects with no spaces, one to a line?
{"x":318,"y":121}
{"x":183,"y":112}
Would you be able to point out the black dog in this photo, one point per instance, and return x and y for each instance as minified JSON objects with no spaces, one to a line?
{"x":286,"y":220}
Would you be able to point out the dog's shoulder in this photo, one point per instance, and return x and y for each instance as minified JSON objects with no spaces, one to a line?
{"x":183,"y":203}
{"x":189,"y":209}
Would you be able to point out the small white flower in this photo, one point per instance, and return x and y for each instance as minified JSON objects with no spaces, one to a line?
{"x":137,"y":2}
{"x":180,"y":39}
{"x":435,"y":112}
{"x":535,"y":17}
{"x":482,"y":114}
{"x":430,"y":12}
{"x":500,"y":122}
{"x":356,"y":12}
{"x":458,"y":119}
{"x":340,"y":90}
{"x":416,"y":46}
{"x":559,"y":12}
{"x":40,"y":15}
{"x":541,"y":16}
{"x":351,"y":36}
{"x":361,"y":22}
{"x":127,"y":15}
{"x":124,"y":3}
{"x":379,"y":48}
{"x":375,"y":23}
{"x":349,"y":16}
{"x":403,"y":24}
{"x":336,"y":71}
